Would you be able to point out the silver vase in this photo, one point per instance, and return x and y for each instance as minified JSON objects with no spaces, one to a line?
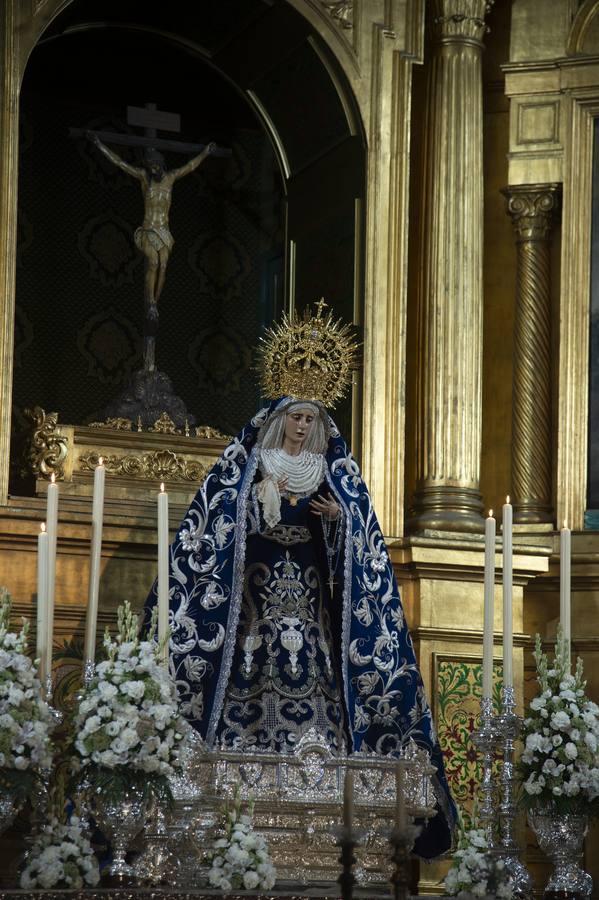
{"x":9,"y":807}
{"x":121,"y":819}
{"x":155,"y":864}
{"x":561,"y":837}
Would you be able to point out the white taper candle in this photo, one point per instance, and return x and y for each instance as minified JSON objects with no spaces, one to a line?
{"x":42,"y":603}
{"x":52,"y":528}
{"x":401,"y":815}
{"x":93,"y":593}
{"x":565,"y":577}
{"x":488,"y":612}
{"x":348,"y":798}
{"x":163,"y":568}
{"x":508,"y":637}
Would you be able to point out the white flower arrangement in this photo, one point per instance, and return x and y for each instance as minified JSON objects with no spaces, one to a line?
{"x":475,"y":872}
{"x":61,"y":855}
{"x":560,"y":762}
{"x":240,"y":859}
{"x":127,"y":725}
{"x":25,"y":719}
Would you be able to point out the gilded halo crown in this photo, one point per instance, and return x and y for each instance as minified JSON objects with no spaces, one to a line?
{"x":310,"y":358}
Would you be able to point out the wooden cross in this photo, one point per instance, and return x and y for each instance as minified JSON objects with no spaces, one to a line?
{"x":151,"y":120}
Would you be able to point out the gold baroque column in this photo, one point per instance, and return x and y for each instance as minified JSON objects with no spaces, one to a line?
{"x":447,"y":493}
{"x":532,"y":209}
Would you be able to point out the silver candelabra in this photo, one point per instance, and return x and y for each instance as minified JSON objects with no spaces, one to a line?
{"x":497,"y":735}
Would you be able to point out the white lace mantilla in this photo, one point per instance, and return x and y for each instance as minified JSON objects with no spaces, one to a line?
{"x":304,"y":472}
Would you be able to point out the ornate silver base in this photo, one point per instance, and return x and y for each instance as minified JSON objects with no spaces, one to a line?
{"x":9,"y":807}
{"x":510,"y":726}
{"x":120,"y":820}
{"x":499,"y":732}
{"x":297,"y":805}
{"x":561,"y":838}
{"x":155,"y":864}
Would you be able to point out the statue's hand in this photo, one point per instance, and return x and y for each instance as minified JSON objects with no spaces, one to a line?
{"x":211,"y":148}
{"x":325,"y":506}
{"x":93,"y":137}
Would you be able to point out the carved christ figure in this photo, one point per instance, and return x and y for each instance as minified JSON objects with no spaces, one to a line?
{"x":153,"y":237}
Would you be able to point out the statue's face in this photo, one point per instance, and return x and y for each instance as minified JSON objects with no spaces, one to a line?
{"x":156,"y":171}
{"x":298,"y":425}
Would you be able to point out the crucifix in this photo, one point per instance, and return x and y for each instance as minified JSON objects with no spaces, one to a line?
{"x":153,"y":238}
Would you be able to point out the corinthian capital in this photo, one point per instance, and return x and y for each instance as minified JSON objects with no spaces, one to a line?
{"x":533,"y":209}
{"x":463,"y":19}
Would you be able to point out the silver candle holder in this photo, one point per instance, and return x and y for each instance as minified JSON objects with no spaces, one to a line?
{"x":510,"y":726}
{"x":498,"y":734}
{"x":89,"y":670}
{"x":486,"y":738}
{"x":48,"y":696}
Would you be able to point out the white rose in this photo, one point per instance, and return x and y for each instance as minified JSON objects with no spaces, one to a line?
{"x":570,"y":750}
{"x":107,"y":690}
{"x":560,"y":720}
{"x":133,"y":689}
{"x":533,"y":742}
{"x":251,"y":880}
{"x":92,"y":724}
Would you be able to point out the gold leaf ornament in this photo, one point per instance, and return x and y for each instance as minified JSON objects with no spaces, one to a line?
{"x":311,"y":357}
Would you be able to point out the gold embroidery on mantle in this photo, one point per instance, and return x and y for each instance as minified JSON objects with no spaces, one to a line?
{"x":47,"y":449}
{"x":161,"y":465}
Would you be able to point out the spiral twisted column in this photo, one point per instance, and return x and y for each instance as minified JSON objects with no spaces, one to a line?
{"x":533,"y":209}
{"x":447,"y":495}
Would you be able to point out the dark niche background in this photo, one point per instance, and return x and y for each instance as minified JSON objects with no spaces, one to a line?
{"x":79,"y":289}
{"x":79,"y":275}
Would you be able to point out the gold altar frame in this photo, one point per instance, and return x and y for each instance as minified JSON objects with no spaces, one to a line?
{"x":581,"y":108}
{"x":376,"y":52}
{"x":559,"y":99}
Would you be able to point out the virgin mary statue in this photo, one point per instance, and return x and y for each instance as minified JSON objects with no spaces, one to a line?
{"x":285,"y":614}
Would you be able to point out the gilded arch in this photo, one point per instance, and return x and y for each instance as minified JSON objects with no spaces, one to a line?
{"x":376,"y":55}
{"x":584,"y":33}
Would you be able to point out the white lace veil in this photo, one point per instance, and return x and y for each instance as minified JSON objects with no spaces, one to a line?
{"x":272,"y":432}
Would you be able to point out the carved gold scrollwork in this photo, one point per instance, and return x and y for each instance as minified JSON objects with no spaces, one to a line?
{"x":48,"y":449}
{"x":211,"y":434}
{"x":461,"y":18}
{"x":160,"y":465}
{"x":114,"y":424}
{"x":533,"y":209}
{"x":341,"y":10}
{"x":165,"y":425}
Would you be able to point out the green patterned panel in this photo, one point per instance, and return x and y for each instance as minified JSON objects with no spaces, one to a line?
{"x":457,"y":711}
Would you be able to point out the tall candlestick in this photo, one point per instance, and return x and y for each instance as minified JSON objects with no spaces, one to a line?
{"x":93,"y":593}
{"x":489,"y":597}
{"x":401,"y":816}
{"x":163,"y":570}
{"x":52,"y":528}
{"x":565,"y":564}
{"x":508,"y":637}
{"x":348,"y":799}
{"x":42,"y":603}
